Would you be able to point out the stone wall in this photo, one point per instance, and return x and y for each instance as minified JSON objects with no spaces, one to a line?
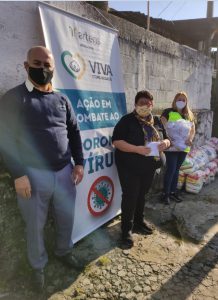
{"x":149,"y":61}
{"x":204,"y":124}
{"x":152,"y":62}
{"x":20,"y":29}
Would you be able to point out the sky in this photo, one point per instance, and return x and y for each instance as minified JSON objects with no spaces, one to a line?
{"x":168,"y":10}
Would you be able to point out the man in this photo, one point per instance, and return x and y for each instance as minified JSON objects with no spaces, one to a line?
{"x":38,"y":136}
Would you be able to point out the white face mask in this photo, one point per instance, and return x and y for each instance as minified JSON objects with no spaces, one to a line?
{"x":180,"y":104}
{"x":144,"y":110}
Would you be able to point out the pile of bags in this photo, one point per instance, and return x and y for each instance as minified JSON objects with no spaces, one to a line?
{"x":199,"y":167}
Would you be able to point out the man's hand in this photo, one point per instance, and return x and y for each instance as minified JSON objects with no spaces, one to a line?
{"x":23,"y":187}
{"x":164,"y":145}
{"x":77,"y":174}
{"x":143,"y":150}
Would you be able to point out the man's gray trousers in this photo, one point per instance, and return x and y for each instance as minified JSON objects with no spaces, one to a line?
{"x":48,"y":187}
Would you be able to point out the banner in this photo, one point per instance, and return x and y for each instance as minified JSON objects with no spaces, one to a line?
{"x":88,"y":71}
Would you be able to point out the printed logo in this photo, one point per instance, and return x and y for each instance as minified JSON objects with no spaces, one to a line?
{"x":74,"y":64}
{"x":100,"y":70}
{"x":61,"y":107}
{"x":100,"y":196}
{"x":84,"y":36}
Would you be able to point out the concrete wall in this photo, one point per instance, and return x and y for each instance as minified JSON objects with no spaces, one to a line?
{"x":20,"y":29}
{"x":204,"y":123}
{"x":149,"y":61}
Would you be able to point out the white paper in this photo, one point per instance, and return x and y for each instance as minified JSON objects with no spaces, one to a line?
{"x":154,"y":148}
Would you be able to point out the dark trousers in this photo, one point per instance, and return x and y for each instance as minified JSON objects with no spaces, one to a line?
{"x":174,"y":161}
{"x":134,"y":187}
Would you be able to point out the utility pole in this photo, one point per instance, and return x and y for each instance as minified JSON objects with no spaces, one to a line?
{"x":210,"y":9}
{"x":209,"y":15}
{"x":148,"y":15}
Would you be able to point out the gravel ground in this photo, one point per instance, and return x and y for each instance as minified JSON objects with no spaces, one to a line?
{"x":159,"y":266}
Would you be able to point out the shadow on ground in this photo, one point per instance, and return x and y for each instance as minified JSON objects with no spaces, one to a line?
{"x":182,"y":284}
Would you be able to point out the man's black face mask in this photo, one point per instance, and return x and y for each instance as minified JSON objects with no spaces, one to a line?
{"x":40,"y":76}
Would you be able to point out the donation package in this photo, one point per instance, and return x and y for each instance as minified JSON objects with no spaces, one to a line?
{"x":199,"y":167}
{"x":178,"y":133}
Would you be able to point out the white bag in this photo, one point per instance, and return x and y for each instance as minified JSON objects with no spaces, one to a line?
{"x":178,"y":133}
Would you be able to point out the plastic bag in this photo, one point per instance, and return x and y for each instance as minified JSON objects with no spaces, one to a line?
{"x":181,"y":180}
{"x":178,"y":133}
{"x":194,"y":182}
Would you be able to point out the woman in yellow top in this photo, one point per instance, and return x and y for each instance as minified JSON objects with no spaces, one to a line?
{"x":179,"y":124}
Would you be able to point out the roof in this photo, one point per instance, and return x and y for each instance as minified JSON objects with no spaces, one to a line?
{"x":188,"y":32}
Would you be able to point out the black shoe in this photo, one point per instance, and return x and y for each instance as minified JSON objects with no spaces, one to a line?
{"x":176,"y":197}
{"x":165,"y":199}
{"x":143,"y":228}
{"x":127,"y":240}
{"x":38,"y":280}
{"x":70,"y":261}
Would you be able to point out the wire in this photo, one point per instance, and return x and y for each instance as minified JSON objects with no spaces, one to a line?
{"x":105,"y":18}
{"x":165,"y":8}
{"x":178,"y":10}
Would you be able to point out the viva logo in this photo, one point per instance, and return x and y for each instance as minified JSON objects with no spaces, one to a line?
{"x":74,"y":64}
{"x":99,"y":68}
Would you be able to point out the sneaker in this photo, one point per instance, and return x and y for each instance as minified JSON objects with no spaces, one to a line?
{"x":127,"y":239}
{"x":165,"y":199}
{"x":70,"y":261}
{"x":143,"y":228}
{"x":176,"y":197}
{"x":38,"y":280}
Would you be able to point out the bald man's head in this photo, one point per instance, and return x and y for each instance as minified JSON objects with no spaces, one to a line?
{"x":39,"y":65}
{"x":38,"y":50}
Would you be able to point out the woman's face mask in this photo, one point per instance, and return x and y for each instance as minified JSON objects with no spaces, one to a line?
{"x":180,"y":104}
{"x":144,"y":110}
